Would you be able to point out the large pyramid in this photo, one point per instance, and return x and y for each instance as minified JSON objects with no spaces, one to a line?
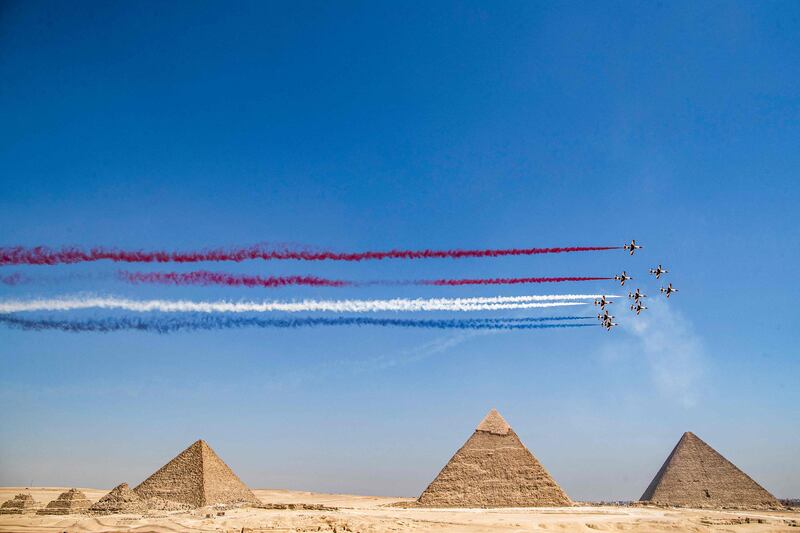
{"x":70,"y":502}
{"x":121,"y":499}
{"x":20,"y":504}
{"x":493,"y":469}
{"x":196,"y":477}
{"x":695,"y":475}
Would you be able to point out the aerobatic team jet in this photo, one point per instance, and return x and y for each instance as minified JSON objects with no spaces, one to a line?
{"x":636,"y":295}
{"x":638,"y":307}
{"x":632,"y":246}
{"x":605,"y":317}
{"x":608,"y":324}
{"x":602,"y":302}
{"x":658,"y":271}
{"x":669,"y":290}
{"x":622,"y":278}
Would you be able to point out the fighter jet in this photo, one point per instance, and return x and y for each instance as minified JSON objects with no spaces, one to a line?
{"x":602,"y":302}
{"x":636,"y":295}
{"x":668,"y":290}
{"x":638,"y":307}
{"x":632,"y":246}
{"x":658,"y":271}
{"x":605,"y":317}
{"x":622,"y":278}
{"x":608,"y":324}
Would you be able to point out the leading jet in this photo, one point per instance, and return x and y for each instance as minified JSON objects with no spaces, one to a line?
{"x":622,"y":278}
{"x":668,"y":290}
{"x":658,"y":271}
{"x":632,"y":246}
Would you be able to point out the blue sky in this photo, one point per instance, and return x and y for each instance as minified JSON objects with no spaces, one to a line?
{"x":356,"y":126}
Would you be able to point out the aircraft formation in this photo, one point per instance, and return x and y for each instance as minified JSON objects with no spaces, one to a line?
{"x":606,"y":319}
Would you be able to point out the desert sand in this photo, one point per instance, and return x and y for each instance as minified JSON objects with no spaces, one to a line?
{"x":343,"y":513}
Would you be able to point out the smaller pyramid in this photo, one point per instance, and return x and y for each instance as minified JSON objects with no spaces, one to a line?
{"x":493,"y":469}
{"x":696,"y":475}
{"x":72,"y":501}
{"x":122,"y":500}
{"x":195,"y":478}
{"x":20,"y":504}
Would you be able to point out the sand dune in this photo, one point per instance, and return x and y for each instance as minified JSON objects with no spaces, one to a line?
{"x":372,"y":514}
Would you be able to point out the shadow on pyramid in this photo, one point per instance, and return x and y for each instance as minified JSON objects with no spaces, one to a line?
{"x":493,"y":469}
{"x":195,"y":478}
{"x":695,"y":475}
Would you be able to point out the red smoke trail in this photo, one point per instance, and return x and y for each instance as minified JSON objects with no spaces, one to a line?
{"x":502,"y":281}
{"x":203,"y":277}
{"x":41,"y":255}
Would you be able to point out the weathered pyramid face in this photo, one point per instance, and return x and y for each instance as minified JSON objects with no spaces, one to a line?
{"x":19,"y":504}
{"x":69,"y":502}
{"x":196,"y":477}
{"x":121,"y":499}
{"x":695,"y":475}
{"x":493,"y":469}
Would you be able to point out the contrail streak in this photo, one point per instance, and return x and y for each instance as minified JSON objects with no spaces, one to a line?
{"x":340,"y":306}
{"x":205,"y":322}
{"x":204,"y":277}
{"x":42,"y":255}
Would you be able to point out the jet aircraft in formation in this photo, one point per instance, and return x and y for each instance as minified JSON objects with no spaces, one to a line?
{"x":638,"y":307}
{"x":632,"y":246}
{"x":622,"y":278}
{"x":607,"y":320}
{"x":602,"y":302}
{"x":668,"y":290}
{"x":637,"y":296}
{"x":658,"y":271}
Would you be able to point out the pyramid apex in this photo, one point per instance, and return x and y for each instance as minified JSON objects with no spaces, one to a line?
{"x":493,"y":422}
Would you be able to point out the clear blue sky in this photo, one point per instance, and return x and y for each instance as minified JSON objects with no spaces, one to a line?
{"x":369,"y":125}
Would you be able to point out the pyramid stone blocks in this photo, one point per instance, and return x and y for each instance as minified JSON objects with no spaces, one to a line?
{"x":19,"y":504}
{"x":696,"y":475}
{"x":72,"y":501}
{"x":195,"y":478}
{"x":493,"y":469}
{"x":120,"y":500}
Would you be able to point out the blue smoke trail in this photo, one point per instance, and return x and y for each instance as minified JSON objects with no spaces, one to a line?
{"x":205,"y":322}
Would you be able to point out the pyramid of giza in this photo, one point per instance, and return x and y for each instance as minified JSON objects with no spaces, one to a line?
{"x":69,"y":502}
{"x":493,"y":469}
{"x":695,"y":475}
{"x":195,"y":478}
{"x":19,"y":504}
{"x":121,"y":499}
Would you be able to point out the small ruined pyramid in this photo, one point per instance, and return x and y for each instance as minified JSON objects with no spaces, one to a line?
{"x":196,"y":477}
{"x":493,"y":469}
{"x":72,"y":501}
{"x":695,"y":475}
{"x":20,"y":504}
{"x":121,"y":499}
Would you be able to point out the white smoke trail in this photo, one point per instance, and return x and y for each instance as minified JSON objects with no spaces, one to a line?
{"x":342,"y":306}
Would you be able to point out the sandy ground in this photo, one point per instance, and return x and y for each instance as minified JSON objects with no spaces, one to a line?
{"x":378,"y":515}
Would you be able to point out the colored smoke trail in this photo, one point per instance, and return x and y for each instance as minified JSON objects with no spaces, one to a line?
{"x":340,"y":306}
{"x":42,"y":255}
{"x":503,"y":281}
{"x":204,"y":278}
{"x":174,"y":325}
